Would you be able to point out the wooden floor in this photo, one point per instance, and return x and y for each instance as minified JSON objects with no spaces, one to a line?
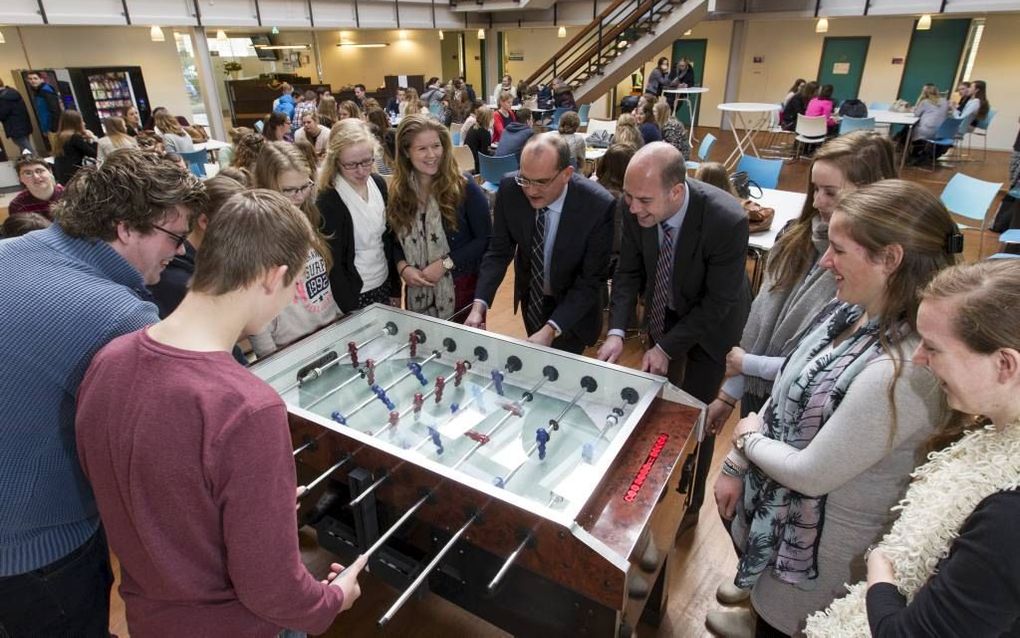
{"x":704,"y":556}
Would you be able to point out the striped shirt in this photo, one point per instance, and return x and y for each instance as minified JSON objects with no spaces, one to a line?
{"x":61,"y":299}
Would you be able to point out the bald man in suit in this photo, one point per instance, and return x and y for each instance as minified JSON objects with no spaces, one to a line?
{"x":685,"y":245}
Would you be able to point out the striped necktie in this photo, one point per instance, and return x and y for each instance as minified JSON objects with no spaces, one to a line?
{"x":663,"y":279}
{"x":536,"y":289}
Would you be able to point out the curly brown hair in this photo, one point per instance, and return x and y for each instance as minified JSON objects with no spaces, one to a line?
{"x":132,"y":186}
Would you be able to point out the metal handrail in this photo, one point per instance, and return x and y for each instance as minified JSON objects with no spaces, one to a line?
{"x":589,"y":50}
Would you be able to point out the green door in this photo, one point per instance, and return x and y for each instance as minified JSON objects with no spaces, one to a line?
{"x":843,"y":66}
{"x":933,"y":56}
{"x":693,"y":50}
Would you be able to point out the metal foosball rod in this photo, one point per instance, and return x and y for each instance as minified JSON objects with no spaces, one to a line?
{"x":498,"y":578}
{"x":322,"y":477}
{"x":379,"y":392}
{"x":496,"y":381}
{"x":414,"y":339}
{"x":426,"y":571}
{"x":629,"y":397}
{"x":588,"y":384}
{"x":513,"y":409}
{"x":331,"y":359}
{"x":513,"y":364}
{"x":462,"y":367}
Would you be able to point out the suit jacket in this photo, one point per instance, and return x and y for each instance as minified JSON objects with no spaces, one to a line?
{"x":711,"y":296}
{"x":580,"y":257}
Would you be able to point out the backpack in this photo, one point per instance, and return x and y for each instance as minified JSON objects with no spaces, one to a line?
{"x":853,"y":108}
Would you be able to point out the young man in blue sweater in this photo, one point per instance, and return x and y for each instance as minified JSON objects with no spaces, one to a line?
{"x":65,"y":292}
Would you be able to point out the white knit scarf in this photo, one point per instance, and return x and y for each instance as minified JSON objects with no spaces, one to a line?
{"x":945,"y":491}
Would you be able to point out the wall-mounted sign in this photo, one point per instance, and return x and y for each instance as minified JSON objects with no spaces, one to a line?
{"x":841,"y":68}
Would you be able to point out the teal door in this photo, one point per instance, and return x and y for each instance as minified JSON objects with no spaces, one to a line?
{"x":843,"y":66}
{"x":933,"y":56}
{"x":693,"y":50}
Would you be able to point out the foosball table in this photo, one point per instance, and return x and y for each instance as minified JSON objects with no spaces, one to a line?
{"x":537,"y":489}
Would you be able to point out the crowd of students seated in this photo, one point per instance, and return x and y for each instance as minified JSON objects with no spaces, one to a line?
{"x":866,"y":348}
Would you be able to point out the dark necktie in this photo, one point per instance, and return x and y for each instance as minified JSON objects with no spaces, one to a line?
{"x":663,"y":280}
{"x":536,"y":288}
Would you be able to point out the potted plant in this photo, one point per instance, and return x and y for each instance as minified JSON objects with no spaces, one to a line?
{"x":232,"y":68}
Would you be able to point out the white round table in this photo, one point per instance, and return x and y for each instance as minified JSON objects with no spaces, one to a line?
{"x":735,"y":112}
{"x":696,"y":91}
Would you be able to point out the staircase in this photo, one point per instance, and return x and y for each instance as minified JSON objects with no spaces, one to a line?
{"x":619,"y":40}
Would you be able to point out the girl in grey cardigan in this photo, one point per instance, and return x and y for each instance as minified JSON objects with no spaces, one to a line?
{"x":932,"y":109}
{"x":809,"y":483}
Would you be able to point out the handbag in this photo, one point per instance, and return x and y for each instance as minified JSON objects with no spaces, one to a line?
{"x":599,"y":139}
{"x":742,"y":185}
{"x":759,"y":218}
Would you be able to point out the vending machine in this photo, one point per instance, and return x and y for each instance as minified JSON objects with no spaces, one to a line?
{"x":105,"y":92}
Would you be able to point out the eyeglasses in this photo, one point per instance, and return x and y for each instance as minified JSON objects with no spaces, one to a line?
{"x":178,"y":239}
{"x":39,"y":172}
{"x":524,"y":182}
{"x":353,"y":166}
{"x":300,"y":190}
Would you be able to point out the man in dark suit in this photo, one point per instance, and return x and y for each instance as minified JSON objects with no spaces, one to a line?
{"x":684,"y":244}
{"x":558,"y":279}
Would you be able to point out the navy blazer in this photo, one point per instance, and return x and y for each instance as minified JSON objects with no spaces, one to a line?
{"x":580,"y":258}
{"x":711,"y":296}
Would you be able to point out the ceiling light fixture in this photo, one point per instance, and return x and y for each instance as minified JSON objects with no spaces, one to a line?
{"x":822,"y":26}
{"x":156,"y":34}
{"x":221,"y":35}
{"x":363,"y":45}
{"x":924,"y":23}
{"x":440,"y":34}
{"x":2,"y":41}
{"x":562,"y":33}
{"x":280,"y":47}
{"x":481,"y":34}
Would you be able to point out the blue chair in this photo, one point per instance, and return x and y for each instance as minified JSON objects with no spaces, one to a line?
{"x":981,"y":130}
{"x":970,"y":198}
{"x":554,"y":123}
{"x":945,"y":136}
{"x":494,"y":168}
{"x":196,"y":162}
{"x":703,"y":150}
{"x":848,"y":124}
{"x":1011,"y":236}
{"x":455,"y":137}
{"x":582,"y":112}
{"x":879,"y":106}
{"x":763,"y":172}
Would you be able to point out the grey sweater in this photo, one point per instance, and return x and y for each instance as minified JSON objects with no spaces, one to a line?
{"x":777,"y":316}
{"x":852,"y":462}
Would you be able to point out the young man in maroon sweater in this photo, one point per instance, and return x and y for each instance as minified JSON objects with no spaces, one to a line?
{"x":190,"y":455}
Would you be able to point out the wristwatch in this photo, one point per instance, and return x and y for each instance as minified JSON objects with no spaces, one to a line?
{"x":742,"y":440}
{"x":447,"y":263}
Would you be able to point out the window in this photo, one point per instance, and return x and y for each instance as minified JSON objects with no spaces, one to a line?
{"x":977,"y":29}
{"x":232,"y":47}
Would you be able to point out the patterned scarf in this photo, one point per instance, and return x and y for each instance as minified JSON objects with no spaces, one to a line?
{"x":424,"y":244}
{"x":776,"y":526}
